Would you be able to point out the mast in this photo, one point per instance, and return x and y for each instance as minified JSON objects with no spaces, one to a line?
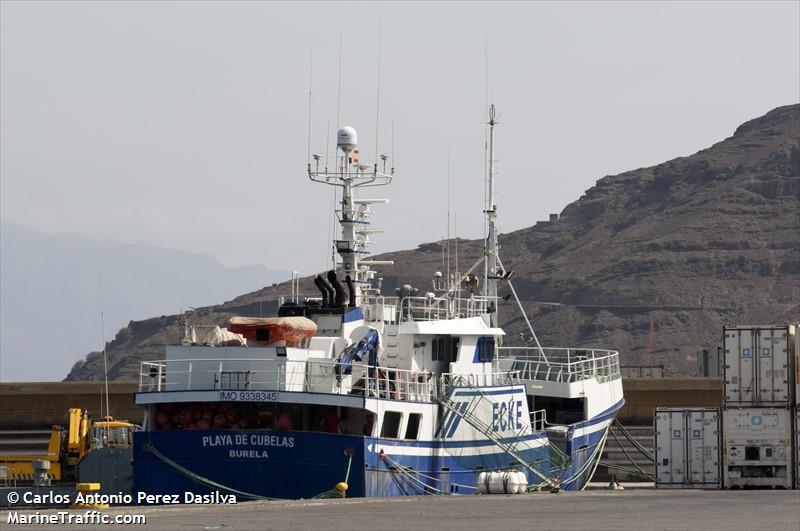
{"x":491,"y":271}
{"x":354,"y":240}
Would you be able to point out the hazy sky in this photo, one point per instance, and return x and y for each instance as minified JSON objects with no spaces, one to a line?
{"x":185,"y":124}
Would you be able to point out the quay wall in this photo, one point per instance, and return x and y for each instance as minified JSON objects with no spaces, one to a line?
{"x":43,"y":404}
{"x":37,"y":404}
{"x":644,"y":395}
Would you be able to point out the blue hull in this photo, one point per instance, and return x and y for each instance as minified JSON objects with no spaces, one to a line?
{"x":582,"y":446}
{"x":297,"y":465}
{"x":292,"y":465}
{"x":445,"y":473}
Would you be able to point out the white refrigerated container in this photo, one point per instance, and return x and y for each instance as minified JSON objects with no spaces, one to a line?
{"x":797,"y":368}
{"x":759,"y":365}
{"x":757,"y":447}
{"x":687,"y":448}
{"x":797,"y":448}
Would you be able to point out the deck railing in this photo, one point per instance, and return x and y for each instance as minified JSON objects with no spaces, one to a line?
{"x":538,"y":419}
{"x":560,"y":365}
{"x":408,"y":309}
{"x":323,"y":376}
{"x":448,"y":379}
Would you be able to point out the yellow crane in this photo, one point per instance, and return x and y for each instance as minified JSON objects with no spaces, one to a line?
{"x":64,"y":450}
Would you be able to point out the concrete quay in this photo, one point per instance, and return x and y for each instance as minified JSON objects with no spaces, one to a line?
{"x":596,"y":510}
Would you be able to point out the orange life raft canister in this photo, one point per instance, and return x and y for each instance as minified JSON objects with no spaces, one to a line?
{"x":273,"y":331}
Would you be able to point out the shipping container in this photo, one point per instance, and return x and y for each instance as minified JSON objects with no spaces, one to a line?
{"x":796,"y":448}
{"x":687,"y":448}
{"x":708,"y":363}
{"x":797,"y":367}
{"x":757,"y":447}
{"x":759,"y":365}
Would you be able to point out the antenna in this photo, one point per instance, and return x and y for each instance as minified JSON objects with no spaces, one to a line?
{"x":310,"y":84}
{"x":455,"y":230}
{"x":485,"y":154}
{"x":339,"y":91}
{"x":327,"y":142}
{"x":103,"y":334}
{"x":393,"y":154}
{"x":378,"y":95}
{"x":448,"y":209}
{"x":443,"y":259}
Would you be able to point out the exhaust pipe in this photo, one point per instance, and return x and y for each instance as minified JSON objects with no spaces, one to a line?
{"x":341,"y":298}
{"x":318,"y":282}
{"x":329,"y":289}
{"x":352,"y":289}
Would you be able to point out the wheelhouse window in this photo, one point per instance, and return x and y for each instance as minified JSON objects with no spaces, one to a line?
{"x":445,"y":348}
{"x":437,"y":349}
{"x":485,"y":350}
{"x":391,"y":424}
{"x":412,"y":428}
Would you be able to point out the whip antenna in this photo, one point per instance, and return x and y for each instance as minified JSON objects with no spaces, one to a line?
{"x":310,"y":84}
{"x":339,"y":90}
{"x":103,"y":334}
{"x":378,"y":95}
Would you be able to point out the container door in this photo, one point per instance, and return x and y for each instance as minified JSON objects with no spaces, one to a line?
{"x":714,"y":363}
{"x":704,"y":448}
{"x":794,"y":338}
{"x":773,"y":365}
{"x":797,"y":449}
{"x":740,"y":384}
{"x":670,"y":448}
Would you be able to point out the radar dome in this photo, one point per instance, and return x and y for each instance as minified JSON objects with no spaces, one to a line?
{"x":346,"y":139}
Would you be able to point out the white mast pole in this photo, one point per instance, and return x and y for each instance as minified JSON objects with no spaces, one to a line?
{"x":491,"y":218}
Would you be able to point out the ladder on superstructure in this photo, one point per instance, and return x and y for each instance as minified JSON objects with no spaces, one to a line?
{"x":467,"y":412}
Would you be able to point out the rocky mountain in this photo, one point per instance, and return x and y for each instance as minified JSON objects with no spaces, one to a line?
{"x":652,"y":262}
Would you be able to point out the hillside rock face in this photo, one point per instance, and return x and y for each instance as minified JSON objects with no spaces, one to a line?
{"x":652,"y":262}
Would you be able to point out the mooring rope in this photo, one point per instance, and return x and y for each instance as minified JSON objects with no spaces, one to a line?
{"x":332,"y":493}
{"x":634,"y":463}
{"x":204,"y":481}
{"x":633,"y":441}
{"x":335,"y":492}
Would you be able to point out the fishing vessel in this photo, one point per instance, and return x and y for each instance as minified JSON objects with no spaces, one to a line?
{"x":358,"y":392}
